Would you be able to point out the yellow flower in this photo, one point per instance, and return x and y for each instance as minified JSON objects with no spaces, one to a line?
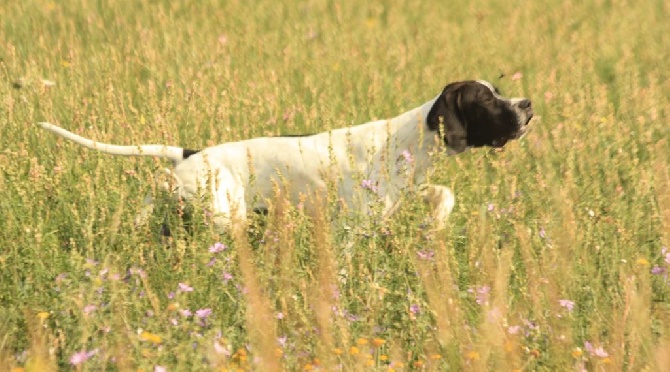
{"x":279,"y":352}
{"x":308,"y":367}
{"x":642,"y":262}
{"x":577,"y":352}
{"x":418,"y":363}
{"x":607,"y":361}
{"x":173,"y":306}
{"x":383,"y":357}
{"x":436,"y":356}
{"x":362,"y":341}
{"x":377,"y":342}
{"x":18,"y":369}
{"x":472,"y":355}
{"x":153,"y":338}
{"x":370,"y":362}
{"x":337,"y":351}
{"x":42,"y":315}
{"x":354,"y":350}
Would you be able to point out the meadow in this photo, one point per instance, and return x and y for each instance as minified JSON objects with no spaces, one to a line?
{"x":555,"y":258}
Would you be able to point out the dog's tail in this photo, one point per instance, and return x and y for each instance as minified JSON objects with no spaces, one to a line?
{"x":176,"y":154}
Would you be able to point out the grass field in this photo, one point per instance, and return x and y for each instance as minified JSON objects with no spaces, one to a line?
{"x":556,"y":257}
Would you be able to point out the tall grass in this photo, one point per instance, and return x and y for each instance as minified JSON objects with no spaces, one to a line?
{"x":554,"y":258}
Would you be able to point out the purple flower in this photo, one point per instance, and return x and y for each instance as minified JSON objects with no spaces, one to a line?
{"x":280,"y":315}
{"x":657,"y":270}
{"x":370,"y":185}
{"x":490,"y":207}
{"x":171,"y":295}
{"x":542,"y":233}
{"x":82,"y":356}
{"x":482,"y":294}
{"x":567,"y":304}
{"x":211,"y":262}
{"x":600,"y":352}
{"x":160,"y":369}
{"x":185,"y":287}
{"x":185,"y":313}
{"x":282,"y":341}
{"x":89,"y":309}
{"x":407,"y":155}
{"x":513,"y":329}
{"x":217,"y":247}
{"x":426,"y":255}
{"x":414,"y":309}
{"x":227,"y":277}
{"x":203,"y":313}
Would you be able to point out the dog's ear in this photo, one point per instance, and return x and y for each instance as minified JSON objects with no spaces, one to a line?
{"x":446,"y":115}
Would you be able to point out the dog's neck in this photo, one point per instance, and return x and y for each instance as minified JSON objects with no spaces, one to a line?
{"x":411,"y":136}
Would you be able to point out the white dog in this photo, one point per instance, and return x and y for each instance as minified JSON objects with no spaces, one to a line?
{"x":377,"y":161}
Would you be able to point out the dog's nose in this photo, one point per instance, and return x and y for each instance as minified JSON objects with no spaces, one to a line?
{"x":525,"y":104}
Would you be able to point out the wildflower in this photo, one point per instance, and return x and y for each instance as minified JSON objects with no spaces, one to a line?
{"x":150,"y":337}
{"x":377,"y":342}
{"x":513,"y":330}
{"x":354,"y":350}
{"x":42,"y":315}
{"x":600,"y":352}
{"x":185,"y":313}
{"x":472,"y":355}
{"x":490,"y":207}
{"x":362,"y":341}
{"x":185,"y":287}
{"x":82,"y":356}
{"x":282,"y":341}
{"x":160,"y":369}
{"x":407,"y":156}
{"x":414,"y":309}
{"x":642,"y":262}
{"x":227,"y":277}
{"x":89,"y":309}
{"x":203,"y":313}
{"x":383,"y":357}
{"x":517,"y":76}
{"x":436,"y":356}
{"x":426,"y":255}
{"x":211,"y":262}
{"x":217,"y":247}
{"x":482,"y":294}
{"x":337,"y":351}
{"x":567,"y":304}
{"x":577,"y":352}
{"x":657,"y":270}
{"x":543,"y":233}
{"x":280,"y":315}
{"x":368,"y":184}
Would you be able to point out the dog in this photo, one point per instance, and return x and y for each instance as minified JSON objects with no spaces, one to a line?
{"x":376,"y":162}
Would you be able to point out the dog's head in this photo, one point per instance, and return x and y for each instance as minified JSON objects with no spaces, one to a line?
{"x":474,"y":114}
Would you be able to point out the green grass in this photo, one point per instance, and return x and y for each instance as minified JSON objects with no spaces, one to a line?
{"x":578,"y":210}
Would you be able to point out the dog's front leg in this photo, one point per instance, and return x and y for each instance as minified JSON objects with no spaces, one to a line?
{"x":441,"y":201}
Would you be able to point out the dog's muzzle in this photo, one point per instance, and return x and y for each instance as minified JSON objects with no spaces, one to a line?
{"x":524,"y":109}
